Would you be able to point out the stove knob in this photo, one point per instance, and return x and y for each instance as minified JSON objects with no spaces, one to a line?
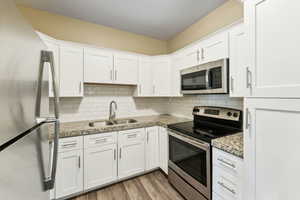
{"x":229,"y":114}
{"x":196,"y":110}
{"x":235,"y":115}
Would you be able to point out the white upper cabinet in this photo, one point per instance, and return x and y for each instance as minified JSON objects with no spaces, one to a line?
{"x":162,"y":76}
{"x":54,"y":47}
{"x":273,"y":31}
{"x":238,"y":61}
{"x":271,"y":146}
{"x":191,"y":57}
{"x":176,"y":66}
{"x":98,"y":66}
{"x":152,"y":148}
{"x":71,"y":71}
{"x":126,"y":69}
{"x":145,"y":87}
{"x":214,"y":48}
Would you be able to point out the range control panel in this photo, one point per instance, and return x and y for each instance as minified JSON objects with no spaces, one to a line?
{"x":217,"y":112}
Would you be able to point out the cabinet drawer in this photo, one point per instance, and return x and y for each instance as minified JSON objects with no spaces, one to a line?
{"x":225,"y":184}
{"x":133,"y":135}
{"x":100,"y":139}
{"x":227,"y":161}
{"x":68,"y":144}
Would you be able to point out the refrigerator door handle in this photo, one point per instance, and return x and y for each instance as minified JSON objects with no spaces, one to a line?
{"x":47,"y":57}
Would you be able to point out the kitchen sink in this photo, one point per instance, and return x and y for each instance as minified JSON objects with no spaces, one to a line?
{"x":100,"y":123}
{"x":111,"y":123}
{"x":125,"y":121}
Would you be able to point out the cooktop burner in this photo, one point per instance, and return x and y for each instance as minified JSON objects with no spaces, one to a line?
{"x":210,"y":123}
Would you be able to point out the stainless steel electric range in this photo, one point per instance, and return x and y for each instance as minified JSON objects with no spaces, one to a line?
{"x":190,"y":151}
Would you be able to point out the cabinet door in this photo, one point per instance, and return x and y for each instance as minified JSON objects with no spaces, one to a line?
{"x":176,"y":66}
{"x":126,"y":69}
{"x":214,"y":48}
{"x":145,"y":87}
{"x":238,"y":61}
{"x":162,"y":78}
{"x":274,"y":43}
{"x":98,"y":66}
{"x":271,"y":140}
{"x":191,"y":57}
{"x":152,"y":148}
{"x":71,"y":71}
{"x":100,"y":166}
{"x":69,"y":175}
{"x":131,"y":152}
{"x":163,"y":149}
{"x":54,"y":47}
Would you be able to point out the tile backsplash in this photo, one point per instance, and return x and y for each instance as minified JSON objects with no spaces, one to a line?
{"x":95,"y":104}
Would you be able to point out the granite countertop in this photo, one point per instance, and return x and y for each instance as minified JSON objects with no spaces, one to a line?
{"x":71,"y":129}
{"x":232,"y":144}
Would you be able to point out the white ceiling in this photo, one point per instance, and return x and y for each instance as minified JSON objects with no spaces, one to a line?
{"x":161,"y":19}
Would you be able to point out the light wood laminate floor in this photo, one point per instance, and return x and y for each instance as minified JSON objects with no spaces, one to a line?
{"x":153,"y":186}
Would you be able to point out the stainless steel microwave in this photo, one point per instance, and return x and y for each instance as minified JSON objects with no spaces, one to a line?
{"x":209,"y":78}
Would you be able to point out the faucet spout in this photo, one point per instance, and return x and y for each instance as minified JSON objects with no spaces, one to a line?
{"x":112,"y":111}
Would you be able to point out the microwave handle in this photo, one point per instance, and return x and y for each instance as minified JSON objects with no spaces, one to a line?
{"x":207,"y":78}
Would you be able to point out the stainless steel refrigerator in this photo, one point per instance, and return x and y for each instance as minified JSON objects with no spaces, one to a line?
{"x":27,"y":154}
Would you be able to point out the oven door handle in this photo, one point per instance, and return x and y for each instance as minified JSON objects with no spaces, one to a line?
{"x":203,"y":145}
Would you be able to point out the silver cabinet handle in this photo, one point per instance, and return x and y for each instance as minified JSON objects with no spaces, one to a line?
{"x":47,"y":57}
{"x":248,"y":78}
{"x":101,"y":140}
{"x":111,"y":75}
{"x":248,"y":119}
{"x":226,"y":163}
{"x":198,"y":55}
{"x":132,"y":136}
{"x":231,"y":83}
{"x":147,"y":137}
{"x":69,"y":145}
{"x":226,"y":187}
{"x":79,"y":162}
{"x":116,"y":73}
{"x":115,"y":154}
{"x":120,"y":154}
{"x":202,"y":53}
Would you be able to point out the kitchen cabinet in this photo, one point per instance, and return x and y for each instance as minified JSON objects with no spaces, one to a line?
{"x":227,"y":176}
{"x":125,"y":69}
{"x":191,"y":56}
{"x":214,"y":48}
{"x":131,"y":155}
{"x":145,"y":87}
{"x":163,"y":149}
{"x":71,"y":71}
{"x":271,"y":143}
{"x":69,"y":175}
{"x":152,"y":148}
{"x":98,"y":66}
{"x":54,"y":47}
{"x":100,"y":159}
{"x":161,"y":76}
{"x":238,"y":61}
{"x":176,"y":66}
{"x":274,"y":58}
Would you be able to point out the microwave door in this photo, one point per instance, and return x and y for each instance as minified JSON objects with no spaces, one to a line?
{"x":194,"y":81}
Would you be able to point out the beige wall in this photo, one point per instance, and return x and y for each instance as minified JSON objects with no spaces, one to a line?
{"x":66,"y":28}
{"x":224,"y":15}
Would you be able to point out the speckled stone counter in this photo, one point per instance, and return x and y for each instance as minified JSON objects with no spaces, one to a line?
{"x":232,"y":144}
{"x":71,"y":129}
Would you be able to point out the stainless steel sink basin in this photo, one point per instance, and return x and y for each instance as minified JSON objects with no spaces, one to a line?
{"x":111,"y":123}
{"x":100,"y":123}
{"x":125,"y":121}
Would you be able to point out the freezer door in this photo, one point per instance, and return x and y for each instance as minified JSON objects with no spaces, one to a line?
{"x":24,"y":142}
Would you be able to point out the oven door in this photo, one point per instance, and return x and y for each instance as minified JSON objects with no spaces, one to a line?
{"x":191,"y":161}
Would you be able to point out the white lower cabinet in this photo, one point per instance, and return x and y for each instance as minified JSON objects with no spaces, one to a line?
{"x":152,"y":148}
{"x":131,"y":155}
{"x":69,"y":176}
{"x":100,"y":159}
{"x":227,"y":176}
{"x":163,"y":149}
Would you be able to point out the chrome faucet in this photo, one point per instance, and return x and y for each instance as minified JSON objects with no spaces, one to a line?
{"x":112,"y":112}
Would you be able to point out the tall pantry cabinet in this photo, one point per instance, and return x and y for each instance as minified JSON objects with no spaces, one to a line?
{"x":272,"y":109}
